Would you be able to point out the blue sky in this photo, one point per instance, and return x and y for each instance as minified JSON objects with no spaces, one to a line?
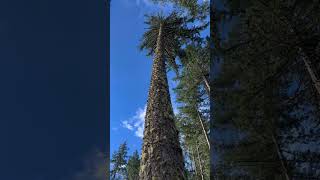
{"x":130,"y":72}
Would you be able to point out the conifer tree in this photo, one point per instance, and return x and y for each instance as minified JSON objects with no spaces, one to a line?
{"x":161,"y":153}
{"x":133,"y":166}
{"x":193,"y":91}
{"x":197,"y":66}
{"x":193,"y":118}
{"x":119,"y":162}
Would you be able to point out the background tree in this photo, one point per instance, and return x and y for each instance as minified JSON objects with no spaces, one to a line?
{"x":193,"y":117}
{"x":133,"y":166}
{"x":265,"y":96}
{"x":119,"y":162}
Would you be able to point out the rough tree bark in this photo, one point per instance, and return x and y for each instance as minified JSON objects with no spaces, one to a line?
{"x":161,"y":153}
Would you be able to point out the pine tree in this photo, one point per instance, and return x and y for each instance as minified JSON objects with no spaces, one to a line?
{"x":194,"y":12}
{"x":119,"y":162}
{"x":193,"y":118}
{"x":161,"y":153}
{"x":193,"y":91}
{"x":133,"y":166}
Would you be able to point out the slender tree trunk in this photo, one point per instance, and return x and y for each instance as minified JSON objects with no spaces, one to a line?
{"x":306,"y":61}
{"x":207,"y":86}
{"x":315,"y":80}
{"x":205,"y":80}
{"x":203,"y":129}
{"x":200,"y":164}
{"x":283,"y":166}
{"x":161,"y":153}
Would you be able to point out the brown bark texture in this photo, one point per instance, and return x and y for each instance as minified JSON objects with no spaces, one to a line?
{"x":162,"y":157}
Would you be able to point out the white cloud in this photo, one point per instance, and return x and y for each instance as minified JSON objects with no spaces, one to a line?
{"x":127,"y":125}
{"x":136,"y":123}
{"x":139,"y":132}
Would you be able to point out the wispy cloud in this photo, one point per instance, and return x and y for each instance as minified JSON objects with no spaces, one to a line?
{"x":136,"y":123}
{"x":127,"y":125}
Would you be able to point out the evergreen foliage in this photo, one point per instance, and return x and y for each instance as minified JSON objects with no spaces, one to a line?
{"x":119,"y":162}
{"x":193,"y":118}
{"x":177,"y":33}
{"x":133,"y":166}
{"x":124,"y":166}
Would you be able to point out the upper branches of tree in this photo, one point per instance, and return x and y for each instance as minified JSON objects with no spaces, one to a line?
{"x":196,"y":10}
{"x":176,"y":34}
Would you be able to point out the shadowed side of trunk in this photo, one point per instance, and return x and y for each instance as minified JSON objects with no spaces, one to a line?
{"x":161,"y":153}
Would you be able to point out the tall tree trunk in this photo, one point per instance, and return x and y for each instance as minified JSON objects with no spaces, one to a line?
{"x":283,"y":165}
{"x":200,"y":164}
{"x":161,"y":152}
{"x":205,"y":80}
{"x":305,"y":58}
{"x":207,"y":86}
{"x":307,"y":63}
{"x":203,"y":129}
